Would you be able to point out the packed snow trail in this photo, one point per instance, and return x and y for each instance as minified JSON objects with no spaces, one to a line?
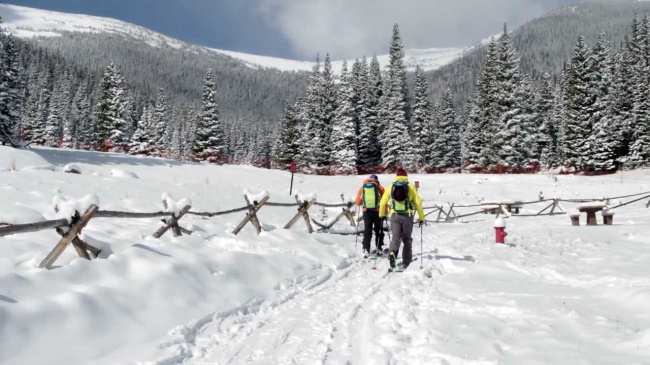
{"x":473,"y":303}
{"x":315,"y":321}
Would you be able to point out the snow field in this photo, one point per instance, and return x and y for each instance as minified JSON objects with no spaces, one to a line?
{"x":554,"y":294}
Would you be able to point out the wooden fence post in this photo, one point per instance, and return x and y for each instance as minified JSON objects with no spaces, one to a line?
{"x":75,"y":228}
{"x":552,"y":206}
{"x":451,"y":216}
{"x":303,"y":211}
{"x":172,"y":223}
{"x":252,"y":216}
{"x":348,"y":211}
{"x":81,"y":247}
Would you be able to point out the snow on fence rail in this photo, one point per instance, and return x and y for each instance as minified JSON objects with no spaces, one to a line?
{"x":73,"y":216}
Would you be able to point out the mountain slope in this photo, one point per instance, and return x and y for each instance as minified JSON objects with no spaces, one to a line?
{"x":27,"y":22}
{"x":545,"y":43}
{"x":149,"y":61}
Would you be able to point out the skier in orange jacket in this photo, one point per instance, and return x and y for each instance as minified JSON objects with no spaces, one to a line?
{"x":369,"y":197}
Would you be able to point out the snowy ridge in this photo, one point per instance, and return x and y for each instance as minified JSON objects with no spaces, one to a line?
{"x":429,"y":59}
{"x":25,"y":22}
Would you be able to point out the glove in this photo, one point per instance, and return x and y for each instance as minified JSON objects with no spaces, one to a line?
{"x":421,"y":223}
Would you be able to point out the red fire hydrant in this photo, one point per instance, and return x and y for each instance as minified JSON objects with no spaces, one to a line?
{"x":500,"y":230}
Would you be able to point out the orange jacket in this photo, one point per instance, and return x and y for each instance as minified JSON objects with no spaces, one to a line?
{"x":359,"y":200}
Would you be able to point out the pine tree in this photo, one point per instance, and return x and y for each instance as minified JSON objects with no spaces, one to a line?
{"x":159,"y":121}
{"x":517,"y":127}
{"x":370,"y":127}
{"x":11,"y":85}
{"x":286,"y":147}
{"x":623,"y":94}
{"x":210,"y":144}
{"x":64,"y":99}
{"x":189,"y":134}
{"x":421,"y":114}
{"x":142,"y":140}
{"x":344,"y":153}
{"x":396,"y":142}
{"x":510,"y":107}
{"x":603,"y":141}
{"x":311,"y":114}
{"x":447,"y":140}
{"x":550,"y":100}
{"x":640,"y":148}
{"x":327,"y":94}
{"x":364,"y":126}
{"x":479,"y":150}
{"x":54,"y":125}
{"x":111,"y":126}
{"x":579,"y":102}
{"x":543,"y":138}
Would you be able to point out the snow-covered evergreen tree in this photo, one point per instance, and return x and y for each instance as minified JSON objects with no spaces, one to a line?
{"x":623,"y":95}
{"x":344,"y":138}
{"x":111,"y":126}
{"x":79,"y":113}
{"x":543,"y":137}
{"x":370,"y":127}
{"x":421,"y":113}
{"x":510,"y":105}
{"x":210,"y":144}
{"x":142,"y":141}
{"x":479,"y":150}
{"x":11,"y":85}
{"x":640,"y":148}
{"x":286,"y":147}
{"x":364,"y":126}
{"x":159,"y":121}
{"x":448,"y":136}
{"x":327,"y":95}
{"x":54,"y":125}
{"x":397,"y":146}
{"x":311,"y":114}
{"x":603,"y":139}
{"x":579,"y":103}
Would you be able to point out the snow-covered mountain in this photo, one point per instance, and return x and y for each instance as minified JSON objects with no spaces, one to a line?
{"x":28,"y":22}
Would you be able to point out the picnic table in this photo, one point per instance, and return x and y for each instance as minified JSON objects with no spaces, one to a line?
{"x":493,"y":207}
{"x":513,"y":206}
{"x":591,"y":209}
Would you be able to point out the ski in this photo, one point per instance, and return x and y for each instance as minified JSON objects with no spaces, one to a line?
{"x":400,"y":266}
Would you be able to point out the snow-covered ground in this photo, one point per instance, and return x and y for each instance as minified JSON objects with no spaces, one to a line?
{"x":28,"y":22}
{"x":555,"y":294}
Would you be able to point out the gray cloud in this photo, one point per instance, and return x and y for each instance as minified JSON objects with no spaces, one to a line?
{"x":349,"y":28}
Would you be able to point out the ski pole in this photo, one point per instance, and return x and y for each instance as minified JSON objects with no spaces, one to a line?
{"x":388,"y":229}
{"x":356,"y":240}
{"x":421,"y":245}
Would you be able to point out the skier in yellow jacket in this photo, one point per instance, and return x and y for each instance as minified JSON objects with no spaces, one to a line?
{"x":399,"y":203}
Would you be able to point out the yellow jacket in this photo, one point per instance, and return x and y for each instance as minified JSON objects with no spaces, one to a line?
{"x":413,"y":197}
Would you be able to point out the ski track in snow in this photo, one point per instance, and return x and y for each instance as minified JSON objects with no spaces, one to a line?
{"x":359,"y":316}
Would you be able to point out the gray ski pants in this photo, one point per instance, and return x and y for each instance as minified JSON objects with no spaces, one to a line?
{"x":401,"y":228}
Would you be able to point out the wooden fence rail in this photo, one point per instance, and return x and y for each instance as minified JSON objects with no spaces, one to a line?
{"x":69,"y":229}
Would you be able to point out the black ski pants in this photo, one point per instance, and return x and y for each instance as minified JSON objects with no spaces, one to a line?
{"x":372,"y":222}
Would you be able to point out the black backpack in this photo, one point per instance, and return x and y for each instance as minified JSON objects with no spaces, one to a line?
{"x":400,"y":194}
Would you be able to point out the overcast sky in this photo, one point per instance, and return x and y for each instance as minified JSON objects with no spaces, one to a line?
{"x":301,"y":28}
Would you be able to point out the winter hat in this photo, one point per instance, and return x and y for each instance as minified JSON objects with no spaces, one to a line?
{"x":401,"y":172}
{"x":374,"y":177}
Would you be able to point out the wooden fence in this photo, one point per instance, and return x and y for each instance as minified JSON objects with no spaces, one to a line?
{"x":69,"y":229}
